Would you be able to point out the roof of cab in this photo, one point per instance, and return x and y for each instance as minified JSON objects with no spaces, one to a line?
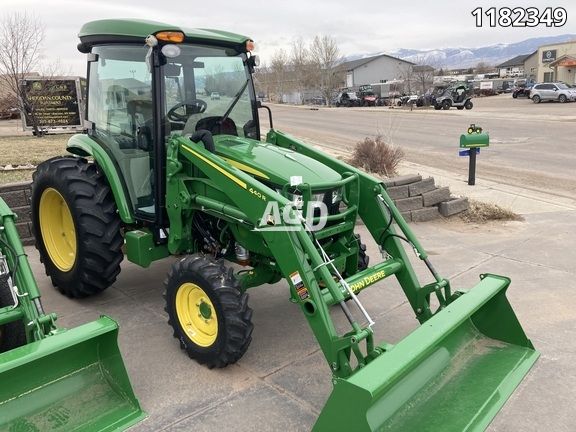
{"x":134,"y":28}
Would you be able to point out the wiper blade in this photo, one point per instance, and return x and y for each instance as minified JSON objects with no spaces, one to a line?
{"x":234,"y":102}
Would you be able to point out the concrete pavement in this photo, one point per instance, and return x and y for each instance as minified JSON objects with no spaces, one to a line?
{"x":282,"y":382}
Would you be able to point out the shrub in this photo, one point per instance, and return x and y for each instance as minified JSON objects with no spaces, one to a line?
{"x":376,"y":156}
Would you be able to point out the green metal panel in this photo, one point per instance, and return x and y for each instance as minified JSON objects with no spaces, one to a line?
{"x":261,"y":157}
{"x":474,"y":140}
{"x":83,"y":145}
{"x":143,"y":28}
{"x":74,"y":380}
{"x":448,"y":375}
{"x":141,"y":250}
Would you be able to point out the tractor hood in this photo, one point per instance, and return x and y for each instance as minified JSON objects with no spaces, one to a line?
{"x":271,"y":163}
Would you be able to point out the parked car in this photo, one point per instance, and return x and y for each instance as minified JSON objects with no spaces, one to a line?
{"x":214,"y":95}
{"x":552,"y":92}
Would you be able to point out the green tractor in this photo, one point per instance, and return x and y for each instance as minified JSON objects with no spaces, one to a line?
{"x":164,"y":169}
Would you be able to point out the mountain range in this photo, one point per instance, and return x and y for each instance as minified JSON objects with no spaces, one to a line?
{"x":467,"y":57}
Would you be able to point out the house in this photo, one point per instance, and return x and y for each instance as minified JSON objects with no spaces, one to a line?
{"x":376,"y":69}
{"x":513,"y":67}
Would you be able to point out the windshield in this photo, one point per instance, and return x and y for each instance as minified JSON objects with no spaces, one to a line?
{"x":209,"y":88}
{"x":562,"y":86}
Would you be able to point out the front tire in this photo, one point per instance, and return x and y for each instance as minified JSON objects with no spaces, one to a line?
{"x":76,"y":226}
{"x":562,"y":98}
{"x":446,"y":104}
{"x":208,"y":312}
{"x":468,"y":105}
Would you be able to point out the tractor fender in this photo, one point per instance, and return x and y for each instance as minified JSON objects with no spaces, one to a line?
{"x":83,"y":145}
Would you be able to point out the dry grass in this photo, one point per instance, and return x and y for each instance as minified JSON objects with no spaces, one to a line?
{"x":480,"y":212}
{"x":20,"y":150}
{"x":376,"y":156}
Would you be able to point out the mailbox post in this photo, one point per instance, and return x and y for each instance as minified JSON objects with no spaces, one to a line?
{"x":471,"y":142}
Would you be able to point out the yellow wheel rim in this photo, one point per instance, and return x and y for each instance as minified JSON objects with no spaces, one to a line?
{"x":57,"y":229}
{"x":196,"y":314}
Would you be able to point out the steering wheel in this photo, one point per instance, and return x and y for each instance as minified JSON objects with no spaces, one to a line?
{"x":195,"y":106}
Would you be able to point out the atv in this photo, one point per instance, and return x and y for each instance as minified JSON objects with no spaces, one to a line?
{"x":456,"y":95}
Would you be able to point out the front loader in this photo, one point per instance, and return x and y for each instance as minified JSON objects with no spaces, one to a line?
{"x":52,"y":379}
{"x":165,"y":170}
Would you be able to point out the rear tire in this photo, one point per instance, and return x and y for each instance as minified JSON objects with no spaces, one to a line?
{"x":76,"y":226}
{"x":208,"y":312}
{"x":13,"y":334}
{"x":536,"y":99}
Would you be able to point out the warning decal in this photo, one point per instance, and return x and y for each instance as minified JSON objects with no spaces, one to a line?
{"x":299,"y":285}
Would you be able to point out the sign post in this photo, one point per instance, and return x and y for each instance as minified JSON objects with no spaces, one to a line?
{"x":472,"y":141}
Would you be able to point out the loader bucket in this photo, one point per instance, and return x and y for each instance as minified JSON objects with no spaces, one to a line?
{"x":72,"y":381}
{"x":451,"y":374}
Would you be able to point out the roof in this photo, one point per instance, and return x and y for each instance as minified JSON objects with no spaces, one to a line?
{"x":516,"y":61}
{"x":355,"y":64}
{"x":134,"y":28}
{"x":565,"y":60}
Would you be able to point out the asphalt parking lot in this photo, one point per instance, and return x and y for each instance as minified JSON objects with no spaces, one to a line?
{"x":282,"y":381}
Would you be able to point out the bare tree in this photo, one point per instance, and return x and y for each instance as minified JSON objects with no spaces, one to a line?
{"x":325,"y":56}
{"x":21,"y":37}
{"x":483,"y":67}
{"x":279,"y":69}
{"x":301,"y":65}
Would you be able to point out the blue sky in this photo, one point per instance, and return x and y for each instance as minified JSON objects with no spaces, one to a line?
{"x":359,"y":27}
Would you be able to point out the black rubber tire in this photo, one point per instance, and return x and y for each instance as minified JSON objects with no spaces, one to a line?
{"x":459,"y":108}
{"x":515,"y":95}
{"x":446,"y":104}
{"x":437,"y":107}
{"x":468,"y":105}
{"x":230,"y":306}
{"x":96,"y":224}
{"x":13,"y":334}
{"x":536,"y":99}
{"x":562,"y":98}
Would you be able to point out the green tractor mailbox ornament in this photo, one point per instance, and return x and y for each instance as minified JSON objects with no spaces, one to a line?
{"x":167,"y":170}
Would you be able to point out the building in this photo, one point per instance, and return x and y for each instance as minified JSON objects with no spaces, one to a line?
{"x":375,"y":69}
{"x":554,"y":62}
{"x":513,"y":67}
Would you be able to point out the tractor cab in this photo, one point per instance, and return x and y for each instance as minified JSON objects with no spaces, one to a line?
{"x":139,"y":95}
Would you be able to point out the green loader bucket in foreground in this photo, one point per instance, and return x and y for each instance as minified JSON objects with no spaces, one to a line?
{"x":451,"y":374}
{"x":72,"y":381}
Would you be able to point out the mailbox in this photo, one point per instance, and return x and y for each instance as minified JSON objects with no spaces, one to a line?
{"x":474,"y":140}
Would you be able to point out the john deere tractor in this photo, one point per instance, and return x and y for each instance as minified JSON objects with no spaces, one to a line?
{"x":164,"y":169}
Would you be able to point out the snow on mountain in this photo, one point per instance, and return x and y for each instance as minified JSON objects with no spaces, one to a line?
{"x":468,"y":57}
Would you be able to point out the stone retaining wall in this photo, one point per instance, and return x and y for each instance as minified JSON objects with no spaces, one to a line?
{"x":419,"y":200}
{"x":17,"y":196}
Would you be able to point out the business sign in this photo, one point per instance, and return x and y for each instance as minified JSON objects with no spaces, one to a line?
{"x":548,"y":56}
{"x":52,"y":103}
{"x":486,"y":85}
